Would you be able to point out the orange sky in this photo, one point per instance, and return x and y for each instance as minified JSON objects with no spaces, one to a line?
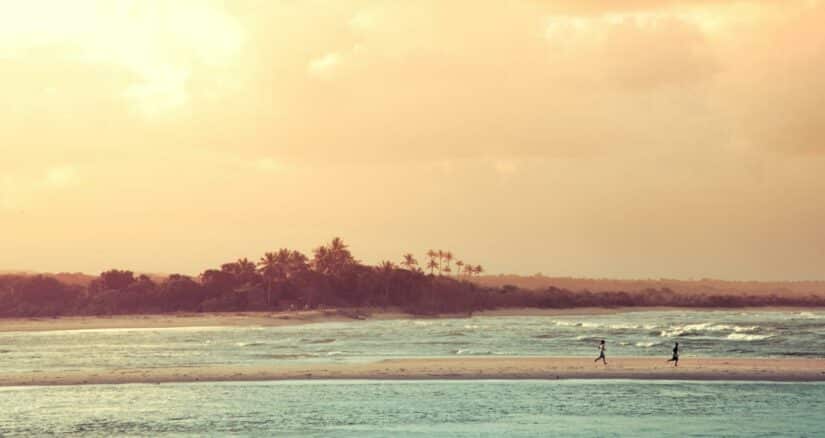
{"x":629,"y":138}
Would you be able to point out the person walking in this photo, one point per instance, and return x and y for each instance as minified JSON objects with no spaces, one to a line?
{"x":675,"y":358}
{"x":601,"y":352}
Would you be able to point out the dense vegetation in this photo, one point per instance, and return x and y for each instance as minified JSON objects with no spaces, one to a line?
{"x":287,"y":279}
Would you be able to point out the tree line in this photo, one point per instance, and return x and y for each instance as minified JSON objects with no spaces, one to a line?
{"x":289,"y":280}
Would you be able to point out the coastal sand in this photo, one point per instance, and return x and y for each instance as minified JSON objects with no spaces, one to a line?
{"x":452,"y":368}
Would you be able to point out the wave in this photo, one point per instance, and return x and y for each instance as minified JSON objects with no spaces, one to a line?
{"x":746,"y":337}
{"x":616,"y":326}
{"x":462,"y":351}
{"x":646,"y":344}
{"x":696,"y":329}
{"x":437,"y":343}
{"x":810,"y":315}
{"x":250,"y":344}
{"x":318,"y":341}
{"x":290,"y":356}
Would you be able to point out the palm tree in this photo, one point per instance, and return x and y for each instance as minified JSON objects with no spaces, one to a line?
{"x":296,"y":263}
{"x":440,"y":255}
{"x":431,"y":254}
{"x":333,"y":259}
{"x":242,"y":269}
{"x":448,"y":256}
{"x":459,"y":267}
{"x":386,"y":269}
{"x":469,"y":269}
{"x":279,"y":267}
{"x":245,"y":266}
{"x":337,"y":245}
{"x":478,"y":270}
{"x":409,"y":262}
{"x":432,"y":265}
{"x":270,"y":268}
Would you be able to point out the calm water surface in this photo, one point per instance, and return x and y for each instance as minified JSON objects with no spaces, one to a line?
{"x":418,"y":409}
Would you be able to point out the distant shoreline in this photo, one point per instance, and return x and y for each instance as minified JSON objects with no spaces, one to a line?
{"x":285,"y":318}
{"x":644,"y":368}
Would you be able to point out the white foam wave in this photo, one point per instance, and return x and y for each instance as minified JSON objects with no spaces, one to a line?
{"x":462,"y":351}
{"x":746,"y":337}
{"x":249,"y":344}
{"x":645,"y":344}
{"x":674,"y":331}
{"x":615,"y":326}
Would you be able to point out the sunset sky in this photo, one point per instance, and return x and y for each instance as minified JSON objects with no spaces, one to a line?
{"x":621,"y":138}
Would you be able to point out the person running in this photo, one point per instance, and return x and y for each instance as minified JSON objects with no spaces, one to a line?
{"x":601,"y":353}
{"x":675,"y":358}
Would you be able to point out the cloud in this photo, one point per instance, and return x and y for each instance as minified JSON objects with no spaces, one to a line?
{"x":777,"y":86}
{"x":61,"y":176}
{"x":366,"y":20}
{"x":658,"y":52}
{"x":614,"y":120}
{"x":600,"y":7}
{"x":159,"y":44}
{"x":324,"y":65}
{"x":160,"y":92}
{"x":268,"y":164}
{"x":505,"y":167}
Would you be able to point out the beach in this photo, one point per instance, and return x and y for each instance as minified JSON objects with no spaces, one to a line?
{"x":474,"y":368}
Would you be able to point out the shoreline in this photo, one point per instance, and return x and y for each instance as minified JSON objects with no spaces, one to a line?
{"x":286,"y":318}
{"x":503,"y":368}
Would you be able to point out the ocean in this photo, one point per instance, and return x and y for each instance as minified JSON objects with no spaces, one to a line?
{"x":573,"y":408}
{"x":452,"y":408}
{"x":649,"y":333}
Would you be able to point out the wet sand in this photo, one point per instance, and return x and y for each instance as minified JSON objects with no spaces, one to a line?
{"x":452,"y":368}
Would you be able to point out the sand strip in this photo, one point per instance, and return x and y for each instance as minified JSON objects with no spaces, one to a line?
{"x":453,"y":368}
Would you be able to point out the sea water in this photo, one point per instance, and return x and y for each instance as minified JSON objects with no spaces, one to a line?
{"x":647,"y":333}
{"x":586,"y":408}
{"x":420,"y":408}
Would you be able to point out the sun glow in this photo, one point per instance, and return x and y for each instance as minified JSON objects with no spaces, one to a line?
{"x":158,"y":42}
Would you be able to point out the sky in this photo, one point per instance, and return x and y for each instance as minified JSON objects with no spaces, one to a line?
{"x":625,"y":139}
